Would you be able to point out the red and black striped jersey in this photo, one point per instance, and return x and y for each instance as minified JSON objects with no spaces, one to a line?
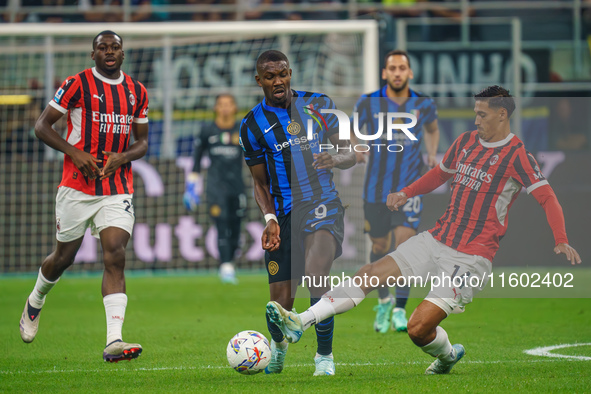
{"x":487,"y":179}
{"x":100,"y":116}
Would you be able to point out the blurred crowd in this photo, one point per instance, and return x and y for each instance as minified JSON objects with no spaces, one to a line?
{"x":551,"y":22}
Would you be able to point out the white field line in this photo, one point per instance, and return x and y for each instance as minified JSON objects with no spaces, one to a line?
{"x":192,"y":368}
{"x":545,"y":351}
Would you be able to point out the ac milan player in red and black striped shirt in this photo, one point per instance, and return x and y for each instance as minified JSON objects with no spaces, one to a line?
{"x":489,"y":167}
{"x":104,"y":106}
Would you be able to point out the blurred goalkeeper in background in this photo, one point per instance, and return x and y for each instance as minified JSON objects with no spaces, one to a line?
{"x":105,"y":108}
{"x":225,"y":186}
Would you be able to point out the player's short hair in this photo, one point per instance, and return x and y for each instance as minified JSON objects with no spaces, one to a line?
{"x":395,"y":52}
{"x":497,"y":97}
{"x":271,"y":56}
{"x":225,"y":94}
{"x":103,"y":33}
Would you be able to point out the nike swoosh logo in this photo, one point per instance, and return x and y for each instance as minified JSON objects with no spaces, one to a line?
{"x":270,"y":128}
{"x":412,"y":219}
{"x":314,"y":224}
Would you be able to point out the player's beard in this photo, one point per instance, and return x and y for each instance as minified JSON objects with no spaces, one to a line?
{"x":401,"y":88}
{"x":482,"y":135}
{"x":278,"y":102}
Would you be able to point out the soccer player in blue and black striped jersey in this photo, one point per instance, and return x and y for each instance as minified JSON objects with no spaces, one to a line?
{"x":294,"y":190}
{"x":389,"y":171}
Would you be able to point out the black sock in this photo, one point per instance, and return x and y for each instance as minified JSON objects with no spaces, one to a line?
{"x":275,"y":332}
{"x":324,"y":333}
{"x":402,"y":296}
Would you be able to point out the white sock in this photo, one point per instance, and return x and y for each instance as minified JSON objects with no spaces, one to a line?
{"x":385,"y":300}
{"x":115,"y":310}
{"x":318,"y":355}
{"x":440,"y":347}
{"x":308,"y":317}
{"x":344,"y":297}
{"x":337,"y":301}
{"x":42,"y":287}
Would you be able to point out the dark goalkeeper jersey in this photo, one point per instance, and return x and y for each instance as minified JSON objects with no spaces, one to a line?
{"x":224,"y":176}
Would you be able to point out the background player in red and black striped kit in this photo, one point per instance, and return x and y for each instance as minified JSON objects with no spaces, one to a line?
{"x":489,"y":167}
{"x":104,"y":106}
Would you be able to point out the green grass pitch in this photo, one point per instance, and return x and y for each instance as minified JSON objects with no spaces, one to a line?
{"x":185,"y":322}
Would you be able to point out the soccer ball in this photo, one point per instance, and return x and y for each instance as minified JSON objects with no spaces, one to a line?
{"x":248,"y":352}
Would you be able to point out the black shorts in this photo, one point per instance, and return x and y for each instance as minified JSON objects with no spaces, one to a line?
{"x":379,"y":220}
{"x":305,"y":218}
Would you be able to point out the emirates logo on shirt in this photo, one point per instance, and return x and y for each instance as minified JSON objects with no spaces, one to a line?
{"x":113,"y":122}
{"x":471,"y":177}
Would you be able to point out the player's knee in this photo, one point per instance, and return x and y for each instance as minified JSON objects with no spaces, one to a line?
{"x":318,"y":270}
{"x":114,"y":258}
{"x":59,"y":261}
{"x":380,"y":248}
{"x":370,"y":278}
{"x":379,"y":251}
{"x":318,"y":264}
{"x":366,"y":269}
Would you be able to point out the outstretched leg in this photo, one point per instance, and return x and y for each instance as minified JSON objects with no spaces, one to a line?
{"x":334,"y":302}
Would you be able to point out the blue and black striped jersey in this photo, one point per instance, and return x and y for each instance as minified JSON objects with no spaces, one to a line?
{"x":388,"y":172}
{"x":278,"y":138}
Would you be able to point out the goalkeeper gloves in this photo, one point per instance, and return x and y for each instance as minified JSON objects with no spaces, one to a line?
{"x":191,"y":197}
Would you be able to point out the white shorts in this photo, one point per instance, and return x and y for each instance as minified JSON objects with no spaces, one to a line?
{"x":425,"y":257}
{"x":76,"y":211}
